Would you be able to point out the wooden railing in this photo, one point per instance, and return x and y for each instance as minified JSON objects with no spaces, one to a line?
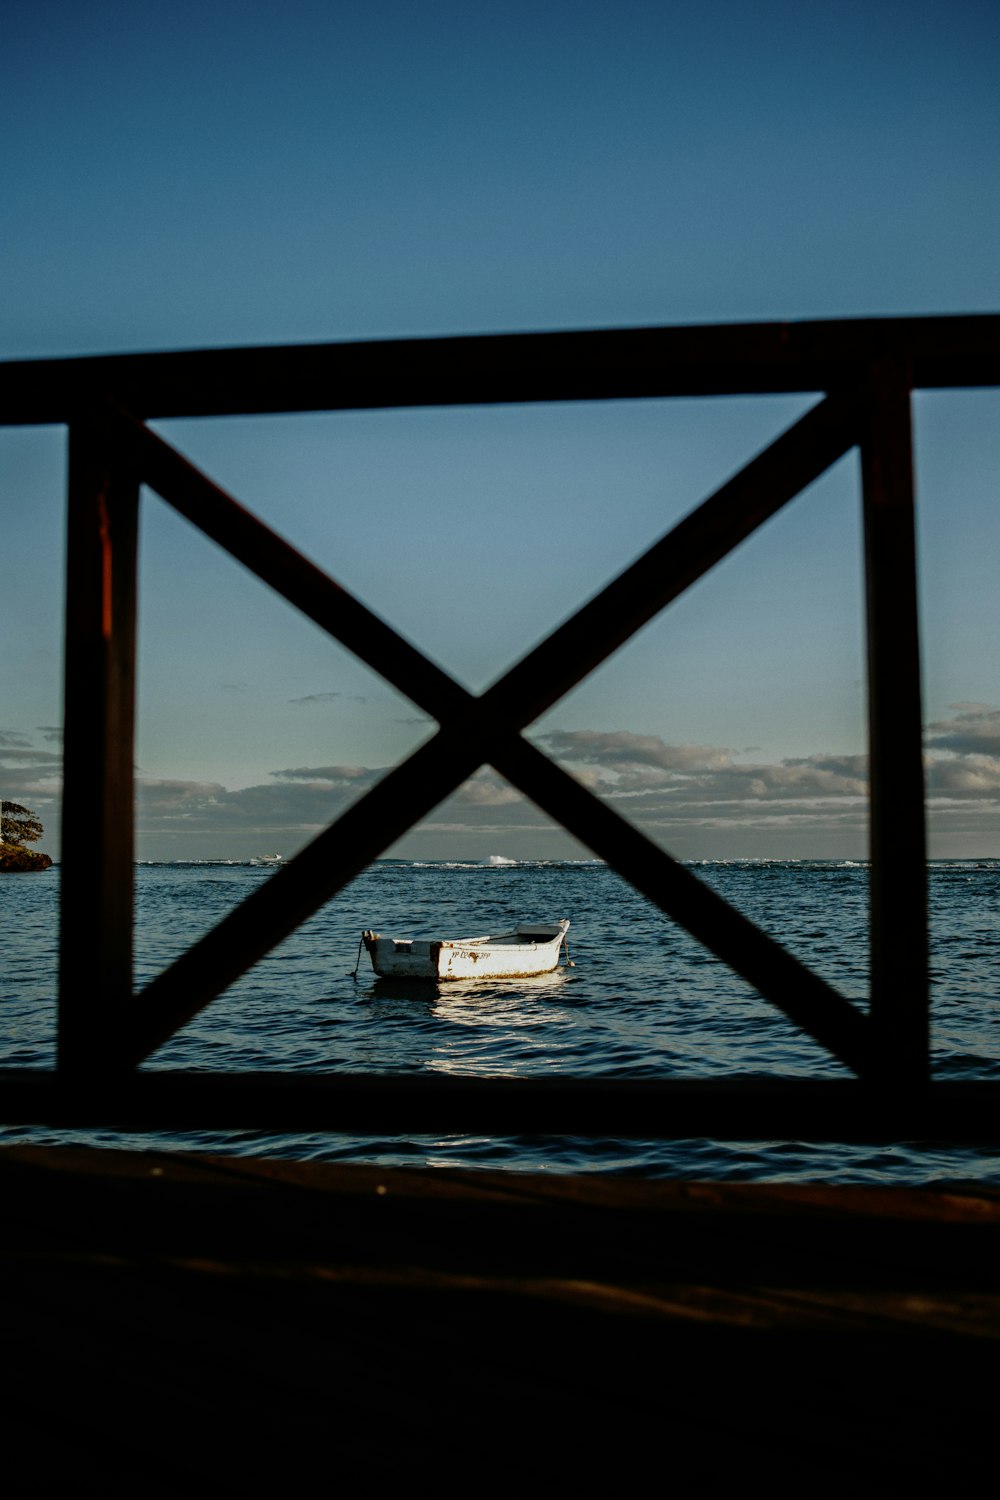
{"x":867,"y":370}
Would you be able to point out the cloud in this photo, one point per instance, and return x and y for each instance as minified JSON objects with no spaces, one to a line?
{"x":963,"y":756}
{"x":974,"y":731}
{"x":671,"y":790}
{"x":178,"y":798}
{"x":301,"y":799}
{"x":685,"y":796}
{"x":329,"y":698}
{"x":33,"y":778}
{"x":21,"y":761}
{"x":623,"y":751}
{"x":660,"y":784}
{"x":209,"y":807}
{"x":332,"y":775}
{"x":633,"y":759}
{"x":964,"y":776}
{"x":486,"y":789}
{"x":623,"y":764}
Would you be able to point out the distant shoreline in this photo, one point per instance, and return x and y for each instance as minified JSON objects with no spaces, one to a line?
{"x":512,"y":864}
{"x":764,"y":859}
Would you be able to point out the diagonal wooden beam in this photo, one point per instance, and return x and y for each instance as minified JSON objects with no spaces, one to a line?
{"x":683,"y":555}
{"x":412,"y":790}
{"x":776,"y":974}
{"x":279,"y":564}
{"x":274,"y":910}
{"x":686,"y":553}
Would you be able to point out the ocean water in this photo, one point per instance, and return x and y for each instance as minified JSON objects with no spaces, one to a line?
{"x":642,"y":1000}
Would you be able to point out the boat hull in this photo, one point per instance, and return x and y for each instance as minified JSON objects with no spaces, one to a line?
{"x":521,"y":954}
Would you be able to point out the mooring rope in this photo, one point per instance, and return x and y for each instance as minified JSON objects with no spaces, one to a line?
{"x":357,"y":963}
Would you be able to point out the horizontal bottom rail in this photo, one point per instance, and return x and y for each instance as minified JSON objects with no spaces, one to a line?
{"x":732,"y":1109}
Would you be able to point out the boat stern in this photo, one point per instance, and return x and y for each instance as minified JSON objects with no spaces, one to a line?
{"x":402,"y":958}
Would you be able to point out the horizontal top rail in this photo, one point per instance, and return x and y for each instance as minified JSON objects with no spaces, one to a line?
{"x":595,"y":364}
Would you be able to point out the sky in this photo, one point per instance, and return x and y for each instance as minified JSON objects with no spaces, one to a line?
{"x":199,"y":175}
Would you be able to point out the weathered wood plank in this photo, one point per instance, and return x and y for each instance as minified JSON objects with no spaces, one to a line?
{"x":594,"y":364}
{"x":97,"y":805}
{"x":900,"y":1000}
{"x":199,"y":1322}
{"x":737,"y":1109}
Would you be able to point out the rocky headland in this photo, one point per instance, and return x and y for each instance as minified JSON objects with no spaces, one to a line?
{"x":15,"y":861}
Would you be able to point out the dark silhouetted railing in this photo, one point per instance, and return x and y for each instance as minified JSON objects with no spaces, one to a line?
{"x":867,"y":370}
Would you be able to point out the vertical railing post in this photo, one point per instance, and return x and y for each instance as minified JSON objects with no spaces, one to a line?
{"x":899,"y":963}
{"x":97,"y":821}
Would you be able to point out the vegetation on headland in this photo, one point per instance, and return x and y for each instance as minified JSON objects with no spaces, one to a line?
{"x":18,"y":827}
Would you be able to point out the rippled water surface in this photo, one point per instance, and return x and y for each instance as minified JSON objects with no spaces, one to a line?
{"x":642,"y":1000}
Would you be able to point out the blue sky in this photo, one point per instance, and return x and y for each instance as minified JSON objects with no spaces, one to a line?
{"x":224,"y":174}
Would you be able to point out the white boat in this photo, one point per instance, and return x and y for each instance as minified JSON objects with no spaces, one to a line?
{"x":532,"y":948}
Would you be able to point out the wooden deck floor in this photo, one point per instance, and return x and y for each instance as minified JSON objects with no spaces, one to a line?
{"x":179,"y":1324}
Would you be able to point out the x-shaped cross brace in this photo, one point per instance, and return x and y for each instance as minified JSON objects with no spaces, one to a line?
{"x":488,"y":729}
